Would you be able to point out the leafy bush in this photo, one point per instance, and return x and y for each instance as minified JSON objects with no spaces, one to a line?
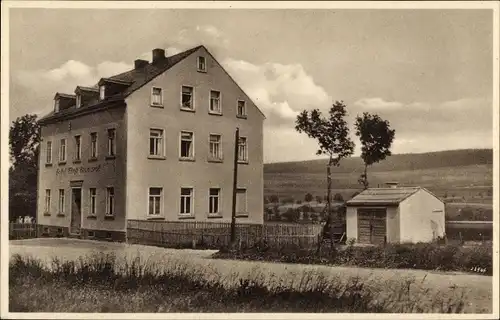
{"x":424,"y":256}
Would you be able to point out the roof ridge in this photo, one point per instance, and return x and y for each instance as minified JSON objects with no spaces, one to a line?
{"x":149,"y":63}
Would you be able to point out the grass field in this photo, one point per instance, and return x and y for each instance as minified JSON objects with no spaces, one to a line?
{"x":473,"y":183}
{"x":426,"y":285}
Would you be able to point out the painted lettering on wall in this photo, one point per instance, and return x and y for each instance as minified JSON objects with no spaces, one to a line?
{"x":78,"y":170}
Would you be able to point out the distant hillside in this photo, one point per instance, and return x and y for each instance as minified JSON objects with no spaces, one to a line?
{"x":397,"y":162}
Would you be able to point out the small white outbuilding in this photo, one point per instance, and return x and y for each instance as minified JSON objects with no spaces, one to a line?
{"x":395,"y":215}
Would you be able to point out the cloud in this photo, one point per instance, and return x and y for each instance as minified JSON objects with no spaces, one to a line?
{"x":43,"y":84}
{"x":280,"y":91}
{"x":207,"y":35}
{"x":377,"y":104}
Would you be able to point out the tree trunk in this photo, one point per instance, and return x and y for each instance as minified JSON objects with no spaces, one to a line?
{"x":329,"y":186}
{"x":366,"y":177}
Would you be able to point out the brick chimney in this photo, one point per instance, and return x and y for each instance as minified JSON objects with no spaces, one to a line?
{"x":392,"y":184}
{"x":139,"y":63}
{"x":158,"y":55}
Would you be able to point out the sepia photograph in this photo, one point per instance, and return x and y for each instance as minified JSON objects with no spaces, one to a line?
{"x":329,"y":160}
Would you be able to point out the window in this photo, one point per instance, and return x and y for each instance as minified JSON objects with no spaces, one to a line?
{"x":48,"y":156}
{"x":62,"y":151}
{"x":187,"y":145}
{"x":91,"y":234}
{"x":213,"y":201}
{"x":78,"y":101}
{"x":187,"y":101}
{"x":93,"y":145}
{"x":155,"y":201}
{"x":61,"y":200}
{"x":186,"y":200}
{"x":215,"y":147}
{"x":111,"y":142}
{"x":47,"y":200}
{"x":242,"y":150}
{"x":110,"y":201}
{"x":242,"y":109}
{"x":241,"y":201}
{"x":215,"y":104}
{"x":102,"y":92}
{"x":202,"y":64}
{"x":93,"y":196}
{"x":155,"y":142}
{"x":78,"y":148}
{"x":56,"y":105}
{"x":156,"y":97}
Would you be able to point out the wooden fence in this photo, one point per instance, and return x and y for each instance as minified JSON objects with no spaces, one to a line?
{"x":217,"y":234}
{"x":22,"y":230}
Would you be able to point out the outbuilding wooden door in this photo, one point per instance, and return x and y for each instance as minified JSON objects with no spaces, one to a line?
{"x":372,"y":225}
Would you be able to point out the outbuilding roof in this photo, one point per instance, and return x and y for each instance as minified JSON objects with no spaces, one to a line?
{"x":382,"y":196}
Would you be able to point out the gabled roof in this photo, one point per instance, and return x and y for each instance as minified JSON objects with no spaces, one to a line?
{"x":65,"y":95}
{"x":383,"y":196}
{"x":132,"y":81}
{"x":83,"y":88}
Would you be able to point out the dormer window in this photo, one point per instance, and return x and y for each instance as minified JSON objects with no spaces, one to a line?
{"x":56,"y":105}
{"x":102,"y":92}
{"x":202,"y":66}
{"x":78,"y":101}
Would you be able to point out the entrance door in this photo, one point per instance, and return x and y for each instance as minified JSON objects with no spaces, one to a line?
{"x":76,"y":210}
{"x":372,"y":225}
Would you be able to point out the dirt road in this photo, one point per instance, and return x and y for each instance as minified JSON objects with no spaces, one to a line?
{"x":477,"y":288}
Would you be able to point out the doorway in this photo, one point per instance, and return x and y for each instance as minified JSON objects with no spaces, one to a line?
{"x":76,"y":210}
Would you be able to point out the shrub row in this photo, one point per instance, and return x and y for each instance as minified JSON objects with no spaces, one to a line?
{"x":405,"y":256}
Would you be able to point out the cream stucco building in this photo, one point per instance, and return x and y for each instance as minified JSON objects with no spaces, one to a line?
{"x":395,"y":215}
{"x":154,"y":143}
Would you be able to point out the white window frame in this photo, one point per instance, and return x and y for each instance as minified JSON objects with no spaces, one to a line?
{"x":78,"y":147}
{"x":161,"y":144}
{"x":48,"y":153}
{"x":191,"y":203}
{"x":92,"y":202}
{"x":192,"y":98}
{"x":102,"y":92}
{"x":198,"y":60}
{"x":244,"y":114}
{"x":245,"y":212}
{"x":156,"y":198}
{"x":78,"y":100}
{"x":94,"y":146}
{"x":110,"y":200}
{"x":111,"y":142}
{"x":191,"y":156}
{"x":245,"y":158}
{"x":153,"y":103}
{"x":48,"y":200}
{"x":62,"y":201}
{"x":62,"y":150}
{"x":210,"y":155}
{"x":218,"y":197}
{"x":210,"y":110}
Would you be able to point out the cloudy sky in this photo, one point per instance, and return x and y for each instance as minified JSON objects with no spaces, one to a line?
{"x":429,"y":72}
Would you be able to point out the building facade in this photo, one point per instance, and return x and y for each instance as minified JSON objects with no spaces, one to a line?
{"x":154,"y":143}
{"x":395,"y":215}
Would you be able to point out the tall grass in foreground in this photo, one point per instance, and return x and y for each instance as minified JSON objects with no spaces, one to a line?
{"x":100,"y":283}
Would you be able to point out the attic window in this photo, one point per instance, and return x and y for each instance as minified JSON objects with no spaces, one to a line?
{"x":202,"y":64}
{"x":78,"y":101}
{"x":56,"y":105}
{"x":102,"y":92}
